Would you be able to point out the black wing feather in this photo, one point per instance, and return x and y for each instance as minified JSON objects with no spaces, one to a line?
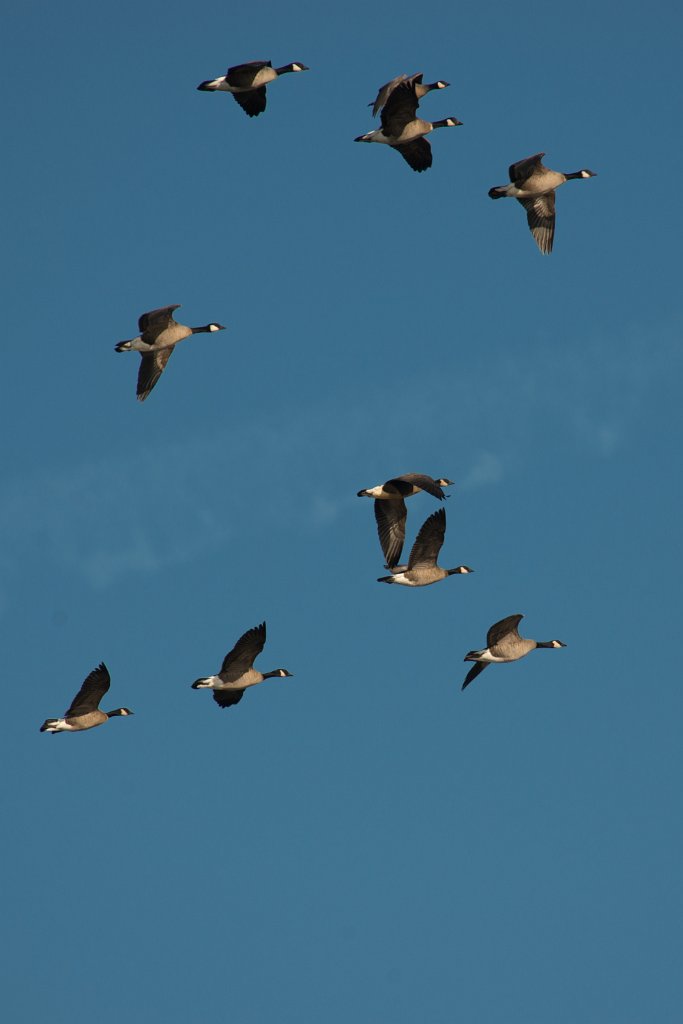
{"x":429,"y":540}
{"x":417,"y":154}
{"x":421,"y":480}
{"x":390,"y":516}
{"x":157,"y":318}
{"x":476,"y":669}
{"x":243,"y":655}
{"x":226,"y":698}
{"x":385,"y":92}
{"x":502,"y":629}
{"x":399,"y":109}
{"x":242,"y":75}
{"x":540,"y":215}
{"x":526,"y":167}
{"x":91,"y":692}
{"x":253,"y":102}
{"x":152,"y":365}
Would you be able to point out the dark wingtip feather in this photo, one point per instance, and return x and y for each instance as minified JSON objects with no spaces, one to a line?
{"x":478,"y":667}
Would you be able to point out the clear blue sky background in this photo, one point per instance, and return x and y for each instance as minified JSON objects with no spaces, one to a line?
{"x":362,"y":842}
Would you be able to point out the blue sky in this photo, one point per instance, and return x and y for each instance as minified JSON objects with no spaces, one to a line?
{"x":363,"y":841}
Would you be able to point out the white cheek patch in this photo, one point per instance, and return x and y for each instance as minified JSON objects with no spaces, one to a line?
{"x":585,"y":174}
{"x":214,"y":327}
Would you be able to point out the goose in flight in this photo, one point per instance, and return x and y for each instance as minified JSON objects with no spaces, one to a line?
{"x":84,"y":712}
{"x":247,"y":83}
{"x":503,"y":643}
{"x":421,"y":90}
{"x":422,"y":569}
{"x":390,"y":508}
{"x":402,"y":129}
{"x":237,"y":671}
{"x":159,"y":334}
{"x":533,"y":185}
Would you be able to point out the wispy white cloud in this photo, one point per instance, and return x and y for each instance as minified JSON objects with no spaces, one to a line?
{"x":146,"y":510}
{"x":486,"y":469}
{"x":606,"y":381}
{"x":142,"y":511}
{"x":325,"y":510}
{"x":91,"y":516}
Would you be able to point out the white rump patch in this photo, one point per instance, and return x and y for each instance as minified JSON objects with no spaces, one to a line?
{"x":489,"y":659}
{"x":400,"y":577}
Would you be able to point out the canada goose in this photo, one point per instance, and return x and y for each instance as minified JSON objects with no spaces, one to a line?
{"x":390,"y":508}
{"x":159,"y":333}
{"x":84,"y":712}
{"x":402,"y":130}
{"x":533,"y":185}
{"x":420,"y":90}
{"x":422,"y":568}
{"x":237,"y":671}
{"x":503,"y":643}
{"x":247,"y":83}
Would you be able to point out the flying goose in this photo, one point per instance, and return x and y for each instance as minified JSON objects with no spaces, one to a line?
{"x":159,"y":333}
{"x":420,"y":90}
{"x":84,"y":712}
{"x":247,"y":83}
{"x":533,"y":185}
{"x":422,"y":568}
{"x":237,"y":671}
{"x":390,"y":508}
{"x":402,"y":130}
{"x":503,"y":643}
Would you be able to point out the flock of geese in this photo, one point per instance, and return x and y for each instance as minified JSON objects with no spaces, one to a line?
{"x":533,"y":185}
{"x":503,"y":642}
